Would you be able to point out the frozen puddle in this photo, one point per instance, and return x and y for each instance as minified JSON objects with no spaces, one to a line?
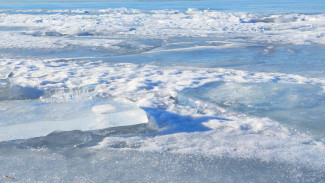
{"x":22,"y":119}
{"x":299,"y":106}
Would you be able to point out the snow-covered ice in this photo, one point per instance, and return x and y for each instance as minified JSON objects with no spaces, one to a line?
{"x":299,"y":106}
{"x":196,"y":91}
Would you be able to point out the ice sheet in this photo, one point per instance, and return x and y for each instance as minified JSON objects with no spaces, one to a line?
{"x":299,"y":106}
{"x":26,"y":119}
{"x":313,"y":6}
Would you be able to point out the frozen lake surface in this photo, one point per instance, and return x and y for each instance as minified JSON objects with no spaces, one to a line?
{"x":152,"y":91}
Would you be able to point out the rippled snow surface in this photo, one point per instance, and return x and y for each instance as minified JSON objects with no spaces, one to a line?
{"x":187,"y":91}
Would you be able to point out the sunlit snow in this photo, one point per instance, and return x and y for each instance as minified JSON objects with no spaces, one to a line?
{"x":173,"y":91}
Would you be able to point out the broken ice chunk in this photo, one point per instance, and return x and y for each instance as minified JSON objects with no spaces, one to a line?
{"x":22,"y":119}
{"x":8,"y":91}
{"x":16,"y":92}
{"x":118,"y":113}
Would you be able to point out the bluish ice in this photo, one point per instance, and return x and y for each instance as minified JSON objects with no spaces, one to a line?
{"x":162,"y":91}
{"x":299,"y":106}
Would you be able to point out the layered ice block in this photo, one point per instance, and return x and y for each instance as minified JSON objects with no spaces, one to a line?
{"x":22,"y":119}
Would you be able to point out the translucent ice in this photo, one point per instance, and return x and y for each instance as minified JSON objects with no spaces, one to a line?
{"x":4,"y":89}
{"x":17,"y":92}
{"x":4,"y":82}
{"x":300,"y":106}
{"x":26,"y":119}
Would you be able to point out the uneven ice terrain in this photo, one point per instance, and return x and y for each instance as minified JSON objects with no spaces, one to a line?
{"x":194,"y":95}
{"x":298,"y":105}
